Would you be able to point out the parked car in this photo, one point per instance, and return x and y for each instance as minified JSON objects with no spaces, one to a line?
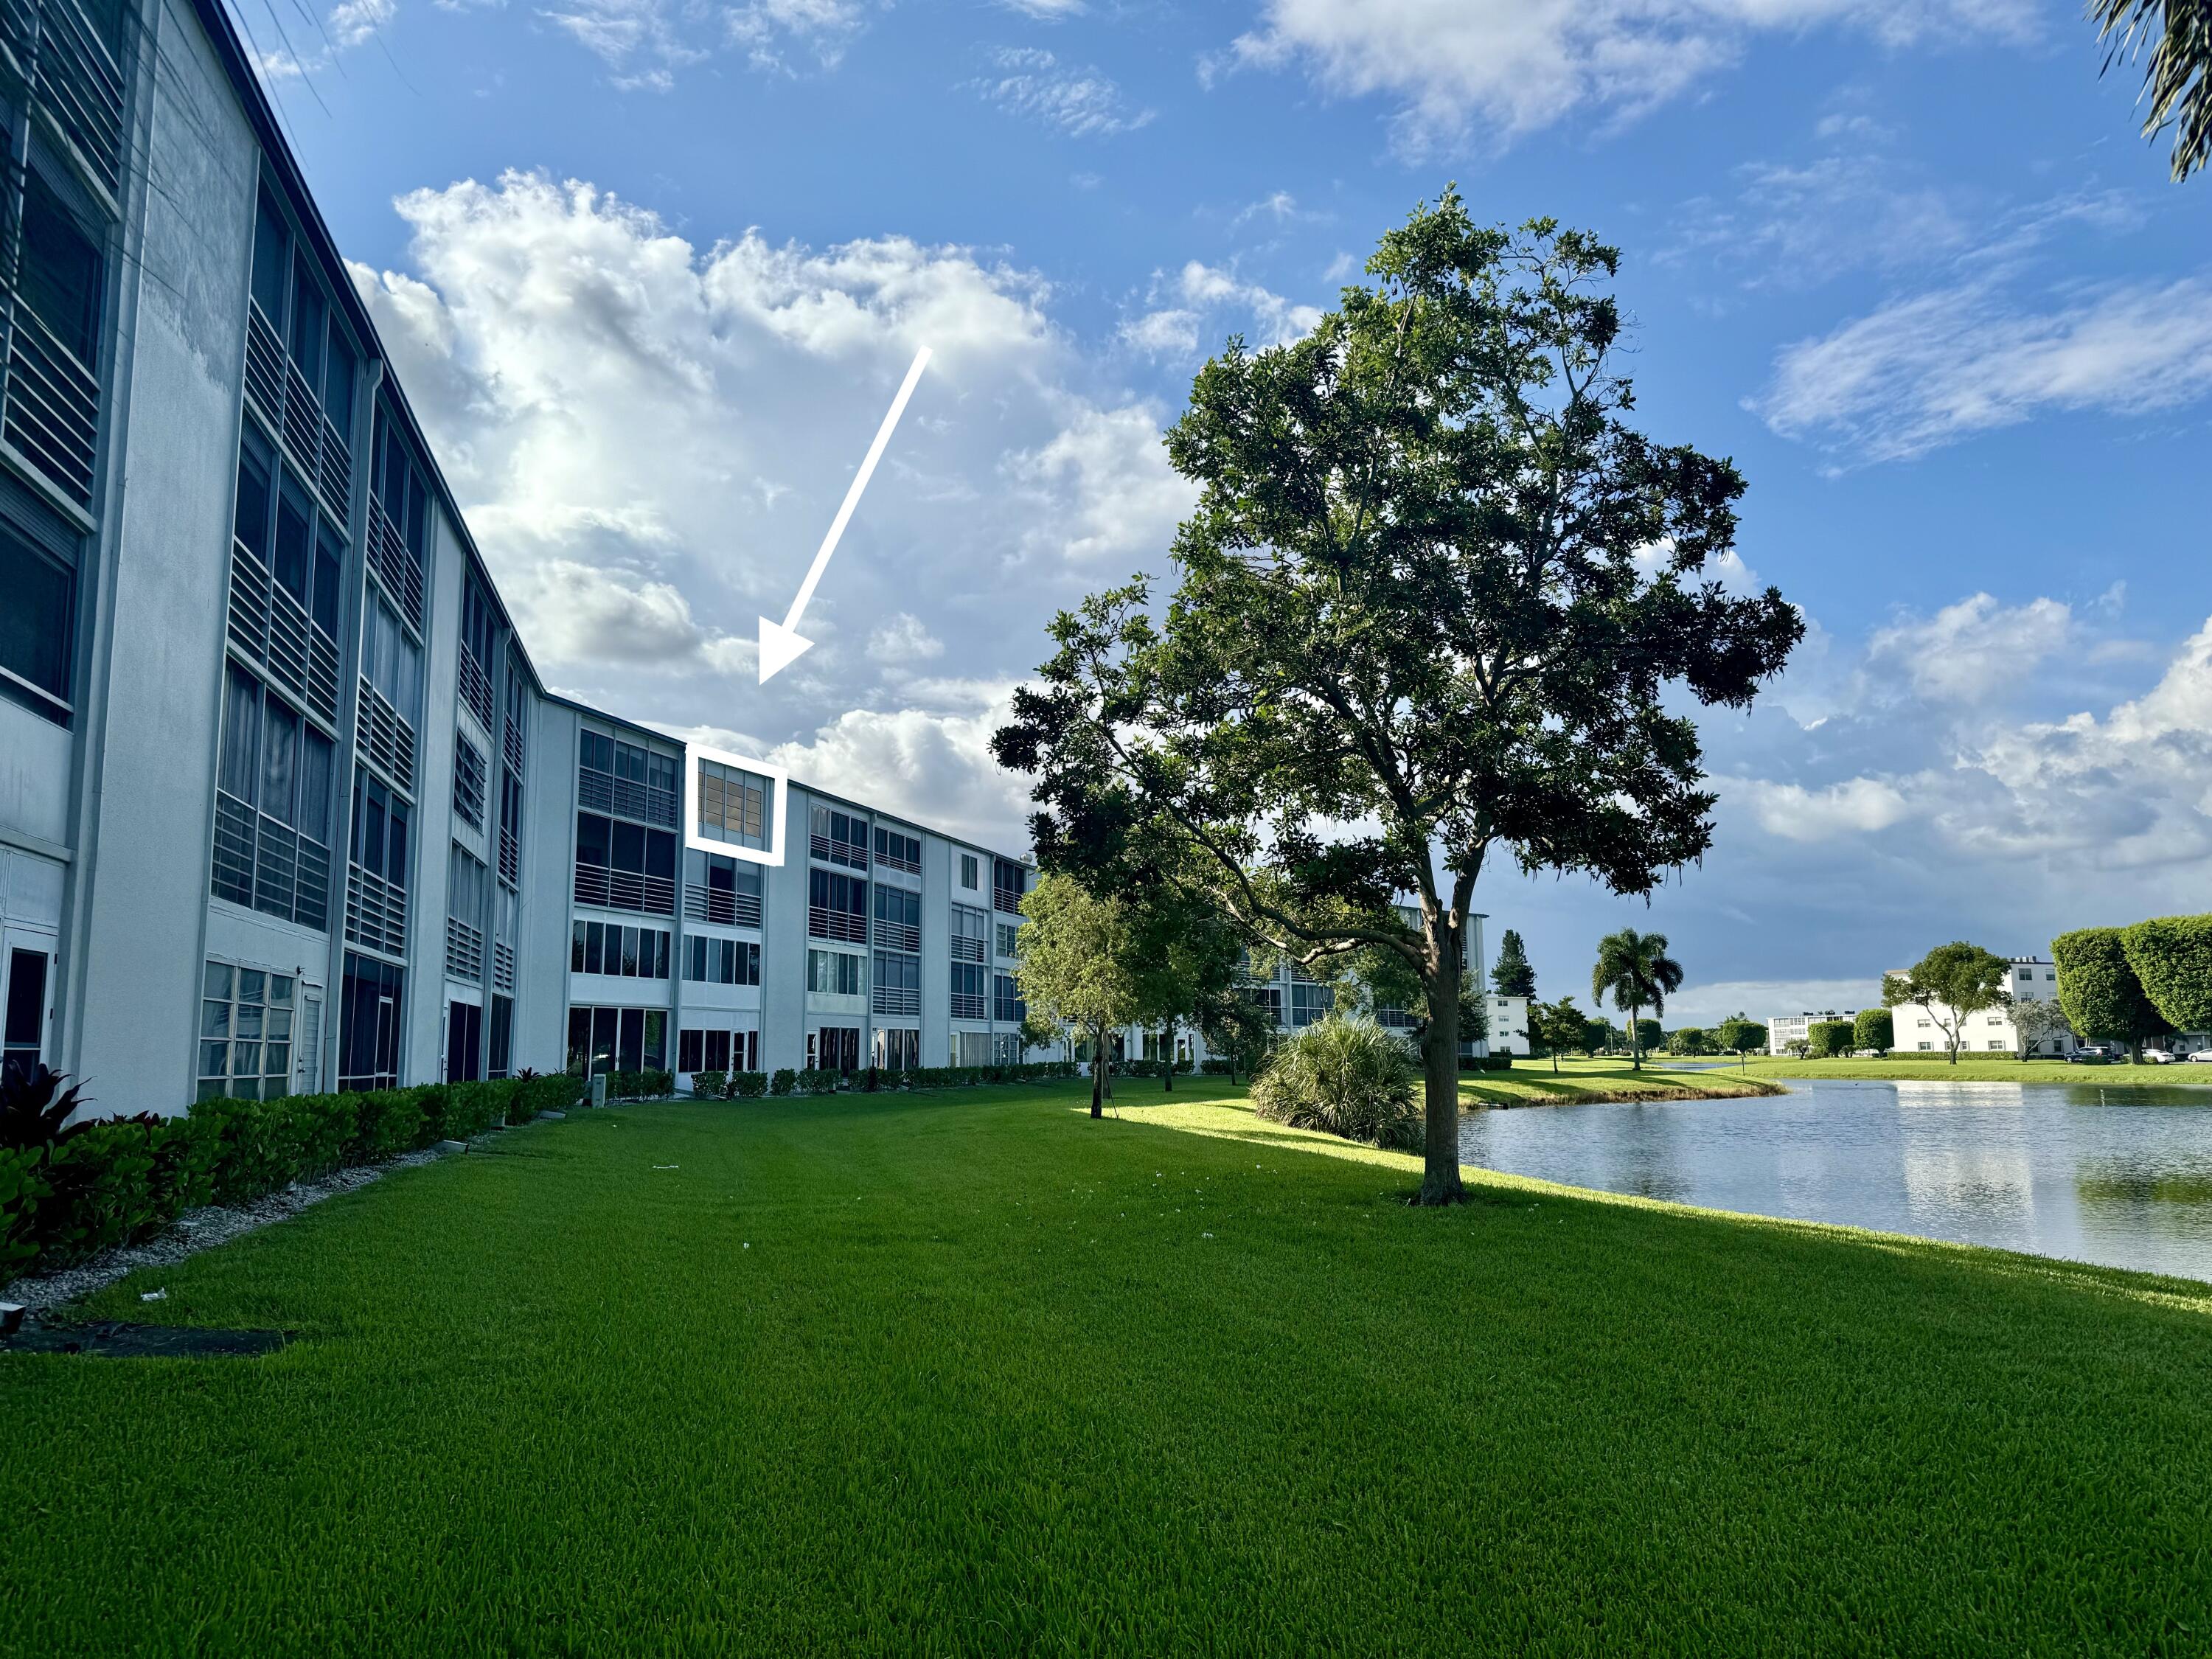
{"x":2090,"y":1053}
{"x":2201,"y":1057}
{"x":2157,"y":1057}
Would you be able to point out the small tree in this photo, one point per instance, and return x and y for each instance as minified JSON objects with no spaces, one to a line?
{"x":1512,"y":976}
{"x":1689,"y":1040}
{"x":1875,"y":1029}
{"x":1650,"y":1035}
{"x":1436,"y":588}
{"x":1739,"y":1036}
{"x":1828,"y":1039}
{"x":1635,"y":970}
{"x":1951,"y":984}
{"x":1600,"y":1037}
{"x":1236,"y":1025}
{"x":1188,"y":962}
{"x":1556,"y":1026}
{"x":1080,"y":964}
{"x":2035,"y":1021}
{"x":2172,"y":955}
{"x":1797,"y":1047}
{"x":2098,"y":991}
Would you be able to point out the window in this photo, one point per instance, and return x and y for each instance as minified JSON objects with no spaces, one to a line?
{"x":466,"y":885}
{"x":604,"y":1040}
{"x":971,"y":930}
{"x":624,"y":778}
{"x":898,"y":985}
{"x":510,"y":827}
{"x":1006,"y":1005}
{"x":468,"y":782}
{"x":721,"y":961}
{"x":1008,"y":883}
{"x":840,"y":838}
{"x":380,"y":829}
{"x":834,"y":1049}
{"x":719,"y":890}
{"x":969,"y":873}
{"x":475,"y":649}
{"x":834,"y":973}
{"x":464,"y":1042}
{"x":609,"y":947}
{"x":60,"y":277}
{"x":1269,"y":997}
{"x":1999,"y":1045}
{"x":967,"y":991}
{"x":718,"y":1051}
{"x":625,"y":866}
{"x":733,"y":806}
{"x":368,"y":1044}
{"x":899,"y":851}
{"x":897,"y":1050}
{"x":391,"y":662}
{"x":23,"y":1027}
{"x":898,"y":918}
{"x":245,"y":1033}
{"x":1009,"y":940}
{"x":837,"y":906}
{"x":272,"y":829}
{"x":399,"y":519}
{"x":1311,"y":1002}
{"x":501,"y":1053}
{"x":1925,"y":1047}
{"x":38,"y":625}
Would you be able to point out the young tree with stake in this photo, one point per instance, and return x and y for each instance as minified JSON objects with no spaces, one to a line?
{"x":1434,"y":597}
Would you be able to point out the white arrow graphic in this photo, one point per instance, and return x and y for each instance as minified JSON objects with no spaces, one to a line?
{"x":780,"y":643}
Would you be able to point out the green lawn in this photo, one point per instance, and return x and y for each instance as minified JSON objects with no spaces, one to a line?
{"x":1922,"y":1068}
{"x":1535,"y":1082}
{"x":994,"y":1377}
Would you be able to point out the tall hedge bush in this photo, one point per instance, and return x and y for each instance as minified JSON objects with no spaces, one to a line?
{"x":2098,"y":990}
{"x":2171,"y":957}
{"x":1828,"y":1039}
{"x":1875,"y":1028}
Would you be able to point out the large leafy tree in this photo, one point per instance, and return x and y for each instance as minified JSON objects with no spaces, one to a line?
{"x":2178,"y":80}
{"x":2098,"y":991}
{"x":1512,"y":976}
{"x":1434,"y":599}
{"x":1634,"y":969}
{"x":1556,"y":1026}
{"x":2173,"y":959}
{"x":1082,"y":959}
{"x":1950,"y":984}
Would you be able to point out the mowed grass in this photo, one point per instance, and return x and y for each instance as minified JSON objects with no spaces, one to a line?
{"x":972,"y":1373}
{"x":1924,"y":1068}
{"x":1535,"y":1082}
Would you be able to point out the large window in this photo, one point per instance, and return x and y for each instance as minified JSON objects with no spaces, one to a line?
{"x":23,"y":1025}
{"x":840,"y":838}
{"x":717,"y":1050}
{"x":467,"y":891}
{"x":625,"y":866}
{"x":53,"y":390}
{"x":1010,"y":934}
{"x":971,"y":933}
{"x":1006,"y":1005}
{"x":968,"y":1001}
{"x":626,"y":780}
{"x":724,"y":890}
{"x":721,"y":961}
{"x":246,"y":1032}
{"x":969,"y":876}
{"x":398,"y":519}
{"x":376,"y":885}
{"x":272,"y":829}
{"x":1008,"y":882}
{"x":596,"y":947}
{"x":899,"y":851}
{"x":392,"y":694}
{"x":601,"y":1040}
{"x":469,"y":782}
{"x":733,"y":806}
{"x":38,"y":626}
{"x":286,"y":586}
{"x":510,"y":827}
{"x":371,"y":1009}
{"x":464,"y":1042}
{"x":898,"y":985}
{"x":898,"y":918}
{"x":837,"y":906}
{"x":1310,"y":1003}
{"x":835,"y":973}
{"x":475,"y":649}
{"x":500,"y":1054}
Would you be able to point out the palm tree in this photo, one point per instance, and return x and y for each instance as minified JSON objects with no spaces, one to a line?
{"x":1634,"y":969}
{"x":2177,"y":83}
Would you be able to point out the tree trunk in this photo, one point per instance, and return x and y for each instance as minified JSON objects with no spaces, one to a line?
{"x":1098,"y":1075}
{"x":1635,"y":1048}
{"x":1440,"y":1182}
{"x":1167,"y":1048}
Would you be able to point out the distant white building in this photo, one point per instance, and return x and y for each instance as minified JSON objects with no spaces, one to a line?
{"x":1506,"y":1020}
{"x":1783,"y":1029}
{"x":2031,"y":979}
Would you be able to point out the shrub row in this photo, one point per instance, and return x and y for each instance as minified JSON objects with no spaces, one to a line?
{"x":114,"y":1182}
{"x":751,"y":1086}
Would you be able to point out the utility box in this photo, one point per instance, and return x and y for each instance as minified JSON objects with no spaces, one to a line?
{"x":599,"y":1090}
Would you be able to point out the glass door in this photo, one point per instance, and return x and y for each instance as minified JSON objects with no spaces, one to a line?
{"x":26,"y":999}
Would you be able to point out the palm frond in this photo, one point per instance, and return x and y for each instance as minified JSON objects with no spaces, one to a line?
{"x":2178,"y":81}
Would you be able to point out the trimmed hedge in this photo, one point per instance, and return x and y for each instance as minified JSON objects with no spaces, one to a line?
{"x":1875,"y":1028}
{"x":1828,"y":1039}
{"x":120,"y":1181}
{"x":753,"y":1085}
{"x":2173,"y":959}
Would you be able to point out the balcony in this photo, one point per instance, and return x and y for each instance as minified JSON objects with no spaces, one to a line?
{"x":838,"y":852}
{"x":822,"y":922}
{"x":897,"y":936}
{"x":282,"y":398}
{"x":965,"y":1006}
{"x":513,"y":744}
{"x":897,"y":1000}
{"x":376,"y":912}
{"x":967,"y":949}
{"x":396,"y":569}
{"x":384,"y":739}
{"x":53,"y":406}
{"x":510,"y":856}
{"x":476,"y":687}
{"x":463,"y":950}
{"x":625,"y":889}
{"x":80,"y":84}
{"x":272,"y":628}
{"x":720,"y":905}
{"x":268,"y":865}
{"x":502,"y":967}
{"x":603,"y":791}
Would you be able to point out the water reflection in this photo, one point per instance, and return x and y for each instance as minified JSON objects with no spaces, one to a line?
{"x":2039,"y":1167}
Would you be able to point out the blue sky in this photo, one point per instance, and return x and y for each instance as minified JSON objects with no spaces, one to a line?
{"x":650,"y":272}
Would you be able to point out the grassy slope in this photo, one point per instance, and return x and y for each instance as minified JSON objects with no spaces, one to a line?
{"x":1534,"y":1082}
{"x":1924,"y":1069}
{"x":982,"y":1381}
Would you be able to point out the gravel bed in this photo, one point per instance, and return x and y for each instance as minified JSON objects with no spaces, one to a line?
{"x":193,"y":1231}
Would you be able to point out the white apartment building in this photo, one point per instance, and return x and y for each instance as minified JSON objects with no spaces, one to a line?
{"x":1920,"y":1030}
{"x":1783,"y":1029}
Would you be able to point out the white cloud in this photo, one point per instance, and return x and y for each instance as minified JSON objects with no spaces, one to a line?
{"x":935,"y":766}
{"x":1081,"y":103}
{"x":903,"y":639}
{"x":1279,"y":205}
{"x":356,"y":22}
{"x":1976,"y":651}
{"x":649,"y":435}
{"x":1050,"y":11}
{"x":1797,"y":813}
{"x":1170,"y":333}
{"x":1935,"y":369}
{"x":1518,"y":66}
{"x":1762,"y":1000}
{"x":1796,"y":225}
{"x":1203,"y":304}
{"x":767,"y":29}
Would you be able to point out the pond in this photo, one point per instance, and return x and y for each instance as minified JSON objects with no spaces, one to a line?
{"x":2039,"y":1167}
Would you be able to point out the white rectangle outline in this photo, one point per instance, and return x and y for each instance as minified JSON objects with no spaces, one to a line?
{"x":694,"y":842}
